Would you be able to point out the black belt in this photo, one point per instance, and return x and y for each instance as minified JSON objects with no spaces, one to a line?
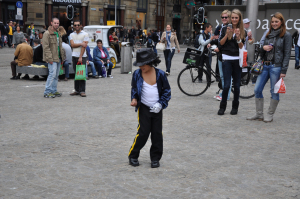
{"x":268,"y":63}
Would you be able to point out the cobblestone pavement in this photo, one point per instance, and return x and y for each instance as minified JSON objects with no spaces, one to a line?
{"x":74,"y":147}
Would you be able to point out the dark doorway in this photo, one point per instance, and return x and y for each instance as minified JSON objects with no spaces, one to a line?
{"x":176,"y":26}
{"x":110,"y":15}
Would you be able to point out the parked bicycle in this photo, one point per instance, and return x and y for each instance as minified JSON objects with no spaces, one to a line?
{"x":189,"y":83}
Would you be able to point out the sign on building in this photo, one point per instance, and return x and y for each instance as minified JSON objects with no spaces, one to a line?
{"x":67,"y":1}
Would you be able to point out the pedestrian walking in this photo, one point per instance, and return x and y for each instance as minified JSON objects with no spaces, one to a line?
{"x":52,"y":54}
{"x":150,"y":93}
{"x":296,"y":40}
{"x":2,"y":34}
{"x":10,"y":34}
{"x":17,"y":37}
{"x":276,"y":53}
{"x":31,"y":33}
{"x":225,"y":17}
{"x":232,"y":39}
{"x":79,"y":40}
{"x":170,"y":40}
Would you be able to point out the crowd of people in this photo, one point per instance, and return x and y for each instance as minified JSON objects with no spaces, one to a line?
{"x":57,"y":50}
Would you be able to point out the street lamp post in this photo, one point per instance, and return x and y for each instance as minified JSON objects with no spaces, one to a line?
{"x":115,"y":12}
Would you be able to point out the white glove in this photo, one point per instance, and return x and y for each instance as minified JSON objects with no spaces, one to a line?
{"x":156,"y":108}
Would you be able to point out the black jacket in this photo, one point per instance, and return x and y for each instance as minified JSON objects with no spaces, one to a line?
{"x":38,"y":54}
{"x":230,"y":47}
{"x":283,"y":46}
{"x":3,"y":29}
{"x":154,"y":37}
{"x":295,"y":37}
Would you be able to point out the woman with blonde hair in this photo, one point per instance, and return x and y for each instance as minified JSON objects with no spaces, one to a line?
{"x":231,"y":40}
{"x":275,"y":53}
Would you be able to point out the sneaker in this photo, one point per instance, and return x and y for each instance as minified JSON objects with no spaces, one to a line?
{"x":218,"y":98}
{"x":57,"y":94}
{"x":49,"y":95}
{"x":95,"y":77}
{"x":110,"y":76}
{"x":167,"y":73}
{"x":100,"y":76}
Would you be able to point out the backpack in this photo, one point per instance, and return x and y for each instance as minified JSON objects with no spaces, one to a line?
{"x":150,"y":43}
{"x":196,"y":42}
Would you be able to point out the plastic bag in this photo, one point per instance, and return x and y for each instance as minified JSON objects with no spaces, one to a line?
{"x":243,"y":57}
{"x":61,"y":72}
{"x":103,"y":71}
{"x":280,"y":87}
{"x":80,"y":72}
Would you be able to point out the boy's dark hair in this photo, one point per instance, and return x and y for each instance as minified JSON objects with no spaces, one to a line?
{"x":99,"y":41}
{"x":65,"y":38}
{"x":37,"y":41}
{"x":155,"y":62}
{"x":206,"y":25}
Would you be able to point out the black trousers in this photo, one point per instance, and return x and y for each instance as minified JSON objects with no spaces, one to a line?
{"x":148,"y":122}
{"x":204,"y":59}
{"x":79,"y":85}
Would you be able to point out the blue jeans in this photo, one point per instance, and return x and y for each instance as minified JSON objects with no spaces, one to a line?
{"x":297,"y":55}
{"x":268,"y":72}
{"x":154,"y":47}
{"x":51,"y":84}
{"x":2,"y":38}
{"x":169,"y":53}
{"x":231,"y":68}
{"x":94,"y":72}
{"x":99,"y":66}
{"x":222,"y":79}
{"x":66,"y":66}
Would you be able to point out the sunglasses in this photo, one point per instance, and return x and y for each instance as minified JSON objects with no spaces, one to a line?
{"x":224,"y":17}
{"x":76,"y":25}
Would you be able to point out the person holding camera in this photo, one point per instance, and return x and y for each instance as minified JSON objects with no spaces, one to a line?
{"x":232,"y":39}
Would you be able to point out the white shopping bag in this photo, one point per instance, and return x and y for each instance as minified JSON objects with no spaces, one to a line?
{"x":280,"y":87}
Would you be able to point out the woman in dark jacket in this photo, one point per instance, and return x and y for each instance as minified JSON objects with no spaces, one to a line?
{"x":231,"y":40}
{"x":150,"y":94}
{"x":275,"y":53}
{"x":101,"y":58}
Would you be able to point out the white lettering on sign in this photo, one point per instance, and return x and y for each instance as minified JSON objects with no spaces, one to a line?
{"x":297,"y":23}
{"x":266,"y":25}
{"x":67,"y":1}
{"x":286,"y":24}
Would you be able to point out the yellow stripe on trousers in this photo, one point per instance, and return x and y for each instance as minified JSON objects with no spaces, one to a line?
{"x":137,"y":135}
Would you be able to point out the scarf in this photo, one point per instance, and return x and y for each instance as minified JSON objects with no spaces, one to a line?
{"x":272,"y":39}
{"x":168,"y":36}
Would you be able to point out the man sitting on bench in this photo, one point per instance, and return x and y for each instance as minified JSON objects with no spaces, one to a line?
{"x":23,"y":57}
{"x":38,"y":55}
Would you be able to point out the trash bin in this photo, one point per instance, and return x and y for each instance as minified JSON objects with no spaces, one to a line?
{"x":126,"y":58}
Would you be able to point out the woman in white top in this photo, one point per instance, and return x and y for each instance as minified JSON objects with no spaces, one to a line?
{"x":170,"y":40}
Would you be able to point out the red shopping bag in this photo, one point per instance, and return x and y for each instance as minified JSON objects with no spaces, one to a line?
{"x":245,"y":54}
{"x":280,"y":87}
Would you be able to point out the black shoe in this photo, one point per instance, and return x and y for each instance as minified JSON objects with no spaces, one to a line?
{"x":155,"y":164}
{"x":200,"y":80}
{"x":235,"y":107}
{"x":25,"y":77}
{"x":133,"y":162}
{"x":15,"y":78}
{"x":222,"y":108}
{"x":297,"y":67}
{"x":95,"y":77}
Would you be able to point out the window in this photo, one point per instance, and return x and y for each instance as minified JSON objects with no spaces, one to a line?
{"x":142,"y":5}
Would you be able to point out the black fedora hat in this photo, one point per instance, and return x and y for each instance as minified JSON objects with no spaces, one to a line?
{"x":144,"y":56}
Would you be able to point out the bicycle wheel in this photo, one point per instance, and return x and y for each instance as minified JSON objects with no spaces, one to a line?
{"x":246,"y":88}
{"x":188,"y":81}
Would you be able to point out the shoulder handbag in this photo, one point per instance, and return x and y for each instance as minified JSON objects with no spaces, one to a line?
{"x":257,"y":67}
{"x":160,"y":46}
